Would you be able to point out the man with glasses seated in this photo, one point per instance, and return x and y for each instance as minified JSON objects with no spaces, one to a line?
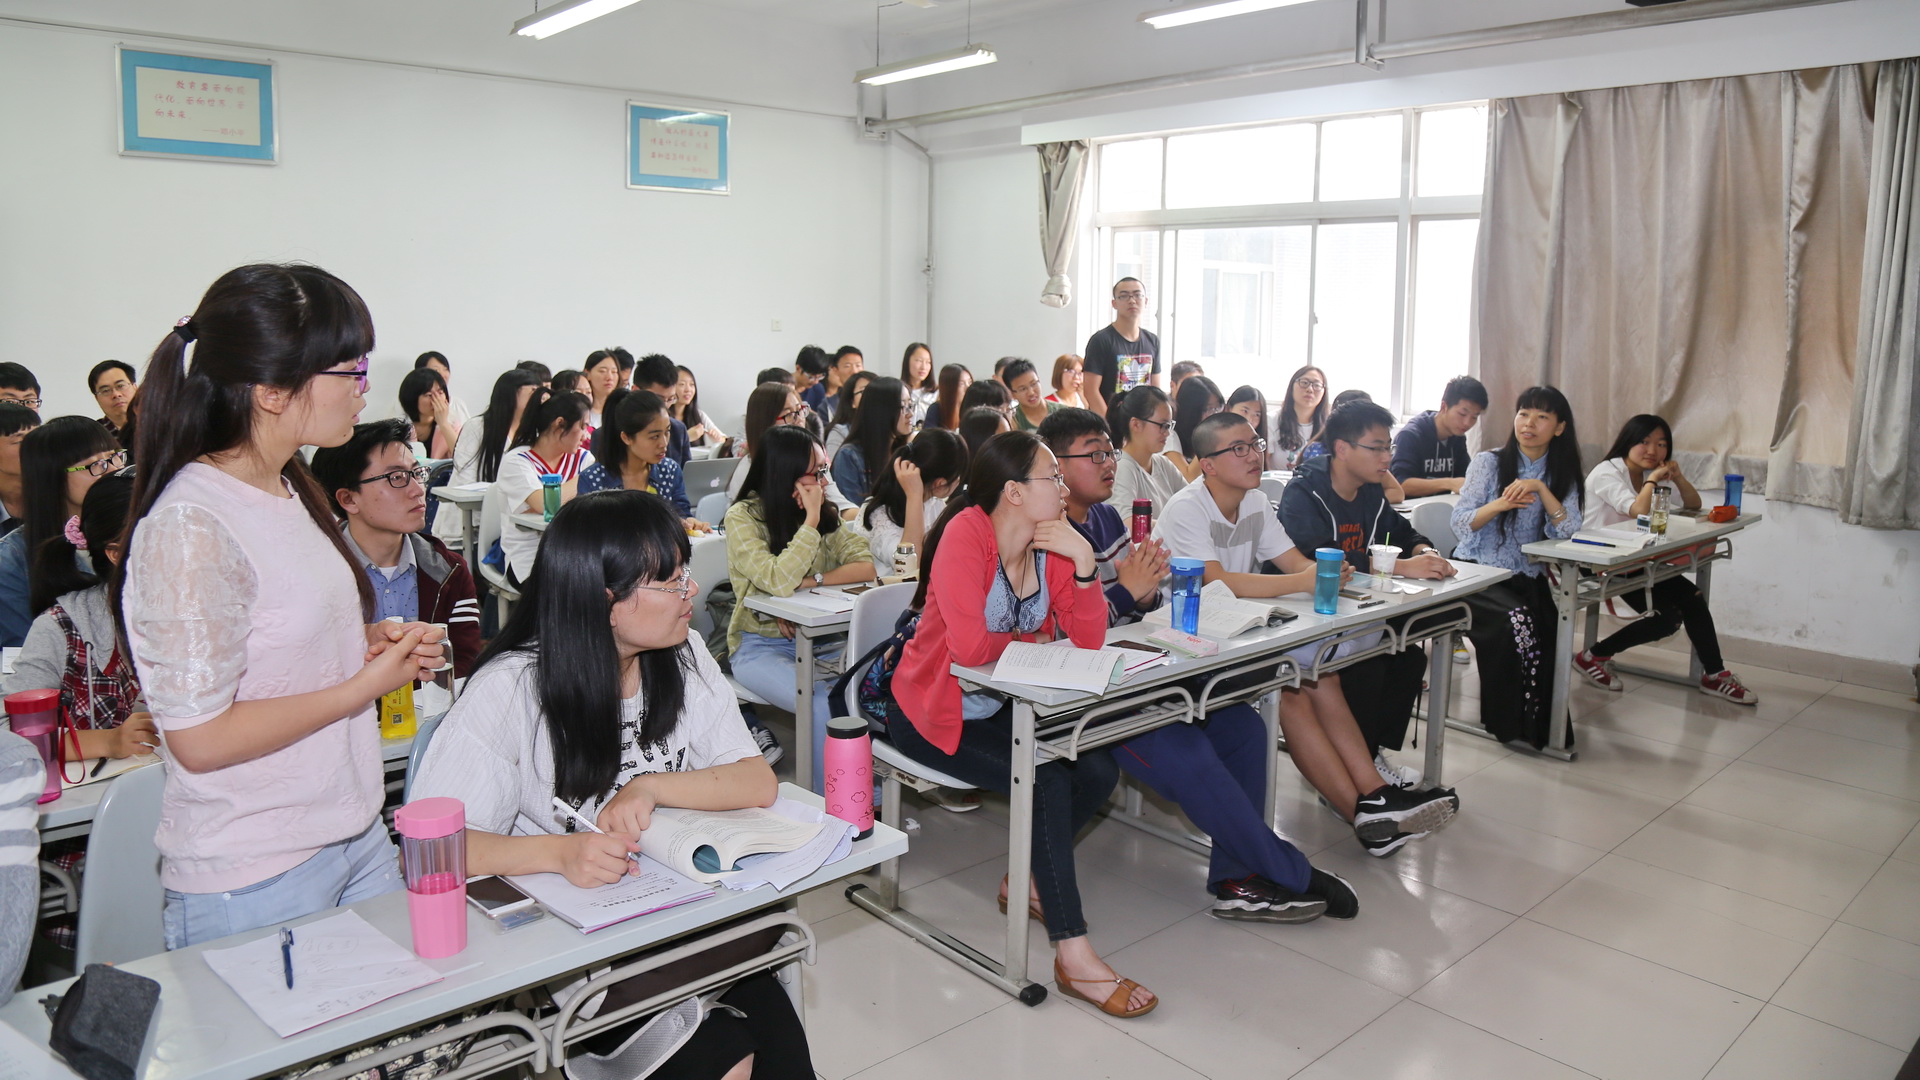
{"x":1125,"y":354}
{"x":1225,"y":520}
{"x":18,"y":385}
{"x":380,"y":493}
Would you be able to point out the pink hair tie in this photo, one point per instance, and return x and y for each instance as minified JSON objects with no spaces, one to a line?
{"x":73,"y":534}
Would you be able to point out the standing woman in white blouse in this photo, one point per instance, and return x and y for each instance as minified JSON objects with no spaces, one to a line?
{"x":248,"y":619}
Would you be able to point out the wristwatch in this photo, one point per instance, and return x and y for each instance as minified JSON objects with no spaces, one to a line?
{"x":819,"y":579}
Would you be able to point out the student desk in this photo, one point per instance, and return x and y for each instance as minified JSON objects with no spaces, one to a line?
{"x":203,"y":1031}
{"x":528,"y":520}
{"x":466,"y":499}
{"x":1062,"y":724}
{"x":808,"y":623}
{"x":1690,"y":546}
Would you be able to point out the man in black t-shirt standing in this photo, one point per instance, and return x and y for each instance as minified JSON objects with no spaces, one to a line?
{"x":1125,"y":354}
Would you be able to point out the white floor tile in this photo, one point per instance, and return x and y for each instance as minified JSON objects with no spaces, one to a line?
{"x":1644,"y":765}
{"x":1649,"y":717}
{"x":1783,"y":1045}
{"x":1782,"y":696}
{"x":1591,"y":1007}
{"x":1873,"y":766}
{"x":1407,"y":931}
{"x":1250,"y":1008}
{"x":1864,"y":982}
{"x":1145,"y":860}
{"x":1890,"y":904}
{"x":1046,"y":1041}
{"x":1792,"y":868}
{"x":1465,"y":754}
{"x":1909,"y":849}
{"x":1567,"y":803}
{"x":1872,"y":696}
{"x":1888,"y":725}
{"x":1413,"y":1042}
{"x":1798,"y":803}
{"x":1493,"y":862}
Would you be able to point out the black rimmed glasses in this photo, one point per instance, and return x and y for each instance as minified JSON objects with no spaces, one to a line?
{"x":682,"y":586}
{"x":1098,"y":457}
{"x":820,"y":475}
{"x":113,"y":462}
{"x":1241,"y":449}
{"x":358,"y":373}
{"x":398,"y":478}
{"x":1387,"y":449}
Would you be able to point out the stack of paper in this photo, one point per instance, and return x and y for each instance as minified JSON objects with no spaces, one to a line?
{"x":654,"y":888}
{"x":341,"y":965}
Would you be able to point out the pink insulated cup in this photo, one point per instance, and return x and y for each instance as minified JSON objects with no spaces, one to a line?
{"x":34,"y":715}
{"x":849,"y":767}
{"x":433,"y":856}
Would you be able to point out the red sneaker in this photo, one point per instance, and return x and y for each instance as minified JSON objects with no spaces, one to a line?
{"x":1598,"y":671}
{"x":1726,"y":686}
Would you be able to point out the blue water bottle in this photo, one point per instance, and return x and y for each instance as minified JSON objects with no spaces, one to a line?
{"x":1326,"y":580}
{"x":1186,"y":593}
{"x":1735,"y":482}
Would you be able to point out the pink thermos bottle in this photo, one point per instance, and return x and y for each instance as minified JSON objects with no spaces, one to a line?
{"x":35,"y":717}
{"x":433,"y":856}
{"x":849,"y":768}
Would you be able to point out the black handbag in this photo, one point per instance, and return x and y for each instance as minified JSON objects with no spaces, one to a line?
{"x":101,"y":1023}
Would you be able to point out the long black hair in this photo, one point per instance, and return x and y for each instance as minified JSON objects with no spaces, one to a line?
{"x":544,"y":408}
{"x":1194,"y":403}
{"x":496,"y":424}
{"x":45,"y":455}
{"x":628,"y":413}
{"x":690,"y":412}
{"x":937,"y":452}
{"x":603,"y":543}
{"x":1564,"y":472}
{"x":764,"y":407}
{"x":1007,"y":456}
{"x":1287,"y":437}
{"x":264,"y":324}
{"x":784,"y":455}
{"x":844,"y":409}
{"x":1635,"y":431}
{"x":1243,"y":395}
{"x":876,"y":426}
{"x":979,"y":424}
{"x":1139,"y":403}
{"x":985,"y":394}
{"x":414,"y":384}
{"x":103,"y":517}
{"x":946,"y":408}
{"x":906,"y":367}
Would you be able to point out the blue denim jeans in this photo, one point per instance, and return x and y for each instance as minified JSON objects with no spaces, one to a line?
{"x":343,"y":872}
{"x":766,"y":666}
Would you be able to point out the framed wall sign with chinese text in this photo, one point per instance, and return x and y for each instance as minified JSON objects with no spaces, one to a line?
{"x":196,"y":107}
{"x":672,"y":149}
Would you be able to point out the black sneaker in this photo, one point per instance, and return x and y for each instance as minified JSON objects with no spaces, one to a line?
{"x":1380,"y":849}
{"x":1387,"y":810}
{"x":1255,"y":899}
{"x":770,"y":747}
{"x":1334,"y":889}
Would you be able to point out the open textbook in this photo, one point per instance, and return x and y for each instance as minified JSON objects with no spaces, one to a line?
{"x":1062,"y":666}
{"x":1223,"y":615}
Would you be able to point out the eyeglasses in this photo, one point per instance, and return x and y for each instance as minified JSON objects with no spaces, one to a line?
{"x":398,"y":478}
{"x":682,"y":586}
{"x":113,"y":462}
{"x":1388,"y":449}
{"x":1311,"y":384}
{"x":1130,"y":295}
{"x":820,"y":475}
{"x":1098,"y":457}
{"x":1058,"y":480}
{"x":30,"y":402}
{"x":1241,"y":449}
{"x":1163,"y":425}
{"x":357,"y":374}
{"x":108,"y":391}
{"x":790,"y":414}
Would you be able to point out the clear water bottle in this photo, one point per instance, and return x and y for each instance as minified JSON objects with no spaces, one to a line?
{"x":1735,"y":484}
{"x":1657,"y":516}
{"x":906,"y":561}
{"x":433,"y":858}
{"x":1187,"y":574}
{"x":1326,"y":580}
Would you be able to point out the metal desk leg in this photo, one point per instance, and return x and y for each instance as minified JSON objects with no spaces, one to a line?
{"x":470,"y":534}
{"x":803,"y":708}
{"x":1019,"y":843}
{"x":1270,"y":714}
{"x":1566,"y":603}
{"x":1439,"y":694}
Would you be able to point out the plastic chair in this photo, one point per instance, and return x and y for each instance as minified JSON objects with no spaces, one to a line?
{"x":709,"y":565}
{"x":120,"y":894}
{"x":874,"y":614}
{"x":1273,"y":486}
{"x":712,"y":508}
{"x":438,"y":474}
{"x":703,"y":478}
{"x":505,"y":595}
{"x":422,"y":735}
{"x":1434,"y":520}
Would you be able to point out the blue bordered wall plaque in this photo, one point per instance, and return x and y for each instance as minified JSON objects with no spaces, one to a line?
{"x":197,"y":107}
{"x":676,"y":149}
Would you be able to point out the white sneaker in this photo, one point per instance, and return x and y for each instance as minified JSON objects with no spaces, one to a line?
{"x":956,"y":801}
{"x":1460,"y":655}
{"x":1405,"y":777}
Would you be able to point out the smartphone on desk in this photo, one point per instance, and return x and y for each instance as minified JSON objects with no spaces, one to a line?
{"x":497,"y":898}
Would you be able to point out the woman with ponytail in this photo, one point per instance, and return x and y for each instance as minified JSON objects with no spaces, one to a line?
{"x":247,"y":617}
{"x":551,"y":440}
{"x":909,"y":496}
{"x":59,"y":461}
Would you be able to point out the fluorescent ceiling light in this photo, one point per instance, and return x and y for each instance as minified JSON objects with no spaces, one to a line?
{"x":1209,"y":9}
{"x":566,"y":16}
{"x":970,"y":56}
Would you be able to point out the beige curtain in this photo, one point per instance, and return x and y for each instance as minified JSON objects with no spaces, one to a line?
{"x":1883,"y":477}
{"x":1063,"y":177}
{"x":1688,"y":249}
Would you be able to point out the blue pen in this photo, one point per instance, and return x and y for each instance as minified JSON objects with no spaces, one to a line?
{"x":286,"y":954}
{"x":1594,"y":543}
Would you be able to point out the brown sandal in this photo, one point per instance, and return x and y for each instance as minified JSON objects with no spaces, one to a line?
{"x":1034,"y":911}
{"x":1116,"y":1002}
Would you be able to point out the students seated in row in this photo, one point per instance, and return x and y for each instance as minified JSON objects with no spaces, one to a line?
{"x":1527,"y":491}
{"x":1003,"y":564}
{"x":432,"y":360}
{"x":379,"y":491}
{"x":847,"y":405}
{"x":955,"y":380}
{"x":424,"y":402}
{"x":685,"y":407}
{"x":1215,"y":770}
{"x":1140,"y":420}
{"x":22,"y":776}
{"x":550,"y":442}
{"x":248,"y":618}
{"x":783,"y":536}
{"x":1430,"y":453}
{"x":1320,"y":447}
{"x":1301,"y":413}
{"x":630,"y":451}
{"x":485,"y":438}
{"x":1621,"y":488}
{"x":59,"y":461}
{"x":990,"y":394}
{"x":981,"y":424}
{"x":597,"y":693}
{"x":881,"y":424}
{"x":1069,"y":373}
{"x":19,"y":386}
{"x":823,"y":396}
{"x":1340,"y":501}
{"x":909,"y":497}
{"x":916,"y":374}
{"x":112,"y":384}
{"x":1198,"y":399}
{"x":15,"y":421}
{"x":1225,"y":520}
{"x":573,"y":381}
{"x":1029,"y":407}
{"x":660,"y":375}
{"x":1251,"y":404}
{"x":605,"y":373}
{"x":74,"y":645}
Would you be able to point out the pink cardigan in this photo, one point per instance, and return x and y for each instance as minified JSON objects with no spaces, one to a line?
{"x":953,"y":628}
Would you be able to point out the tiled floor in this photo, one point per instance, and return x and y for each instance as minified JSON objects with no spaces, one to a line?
{"x":1709,"y":892}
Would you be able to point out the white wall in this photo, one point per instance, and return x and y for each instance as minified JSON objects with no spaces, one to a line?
{"x":486,"y":217}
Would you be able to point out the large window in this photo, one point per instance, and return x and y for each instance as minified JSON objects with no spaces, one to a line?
{"x":1346,"y":243}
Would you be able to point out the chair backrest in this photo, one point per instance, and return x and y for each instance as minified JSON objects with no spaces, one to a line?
{"x":422,"y":735}
{"x":437,"y":476}
{"x":709,"y":565}
{"x":703,"y":478}
{"x":1273,"y":486}
{"x":121,"y":896}
{"x":490,"y":523}
{"x":712,"y":507}
{"x":1434,"y":520}
{"x":874,"y":614}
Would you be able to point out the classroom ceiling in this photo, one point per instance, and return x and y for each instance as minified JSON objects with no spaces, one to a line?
{"x":903,"y":17}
